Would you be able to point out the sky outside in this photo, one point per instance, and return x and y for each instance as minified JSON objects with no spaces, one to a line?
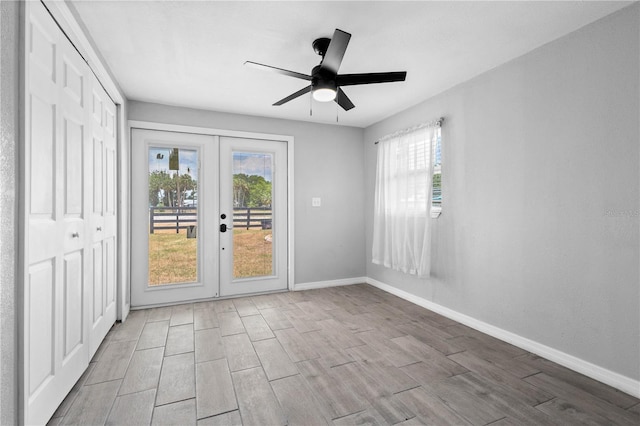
{"x":159,"y":161}
{"x":251,"y":163}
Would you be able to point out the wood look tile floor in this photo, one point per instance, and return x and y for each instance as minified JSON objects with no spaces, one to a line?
{"x":342,"y":355}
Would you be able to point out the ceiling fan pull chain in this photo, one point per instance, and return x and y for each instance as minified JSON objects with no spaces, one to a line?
{"x":311,"y":104}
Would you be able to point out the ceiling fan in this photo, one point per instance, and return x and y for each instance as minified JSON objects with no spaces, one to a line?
{"x":326,"y":83}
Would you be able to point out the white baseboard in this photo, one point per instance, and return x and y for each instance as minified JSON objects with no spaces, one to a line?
{"x":616,"y":380}
{"x":332,"y":283}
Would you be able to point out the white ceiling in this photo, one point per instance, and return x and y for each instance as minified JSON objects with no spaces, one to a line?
{"x":191,"y":53}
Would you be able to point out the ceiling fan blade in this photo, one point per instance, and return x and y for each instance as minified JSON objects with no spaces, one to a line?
{"x":377,"y":77}
{"x":335,"y":52}
{"x":278,"y":70}
{"x":293,"y":96}
{"x":343,"y":100}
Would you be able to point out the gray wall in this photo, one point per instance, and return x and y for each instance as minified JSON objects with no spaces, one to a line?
{"x":539,"y":233}
{"x":9,"y":137}
{"x":329,"y":240}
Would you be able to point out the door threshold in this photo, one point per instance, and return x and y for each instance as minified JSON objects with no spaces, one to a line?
{"x":208,"y":299}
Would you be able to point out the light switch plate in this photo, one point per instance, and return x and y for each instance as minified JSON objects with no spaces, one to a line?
{"x":316,"y":202}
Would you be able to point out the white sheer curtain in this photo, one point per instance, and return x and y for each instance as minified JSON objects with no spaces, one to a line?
{"x":401,"y":219}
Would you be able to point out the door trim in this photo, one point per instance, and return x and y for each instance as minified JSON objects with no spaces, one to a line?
{"x":149,"y":125}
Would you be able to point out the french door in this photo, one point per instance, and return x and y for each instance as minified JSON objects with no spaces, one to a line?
{"x":253,"y":201}
{"x":209,"y":216}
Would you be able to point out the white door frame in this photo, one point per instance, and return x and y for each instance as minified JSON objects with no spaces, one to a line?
{"x":148,"y":125}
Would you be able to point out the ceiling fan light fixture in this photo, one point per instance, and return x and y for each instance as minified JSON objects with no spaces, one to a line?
{"x":324,"y":94}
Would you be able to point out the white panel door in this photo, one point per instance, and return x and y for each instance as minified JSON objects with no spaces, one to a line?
{"x":103,"y":223}
{"x":55,"y":334}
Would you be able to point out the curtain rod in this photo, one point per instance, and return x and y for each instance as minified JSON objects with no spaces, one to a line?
{"x":433,"y":123}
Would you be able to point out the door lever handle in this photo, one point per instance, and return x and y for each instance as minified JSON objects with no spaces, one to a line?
{"x":224,"y":227}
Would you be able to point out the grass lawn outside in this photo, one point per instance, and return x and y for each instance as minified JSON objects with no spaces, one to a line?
{"x":252,"y":253}
{"x":173,"y":257}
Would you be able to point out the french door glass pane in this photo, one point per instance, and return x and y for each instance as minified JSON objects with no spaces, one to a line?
{"x":253,"y":225}
{"x":173,"y":216}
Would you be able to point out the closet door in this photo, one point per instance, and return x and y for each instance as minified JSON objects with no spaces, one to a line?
{"x":69,"y":216}
{"x":103,"y":215}
{"x":55,"y":332}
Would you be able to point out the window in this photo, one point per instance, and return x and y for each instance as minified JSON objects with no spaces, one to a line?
{"x":405,"y":201}
{"x":436,"y":182}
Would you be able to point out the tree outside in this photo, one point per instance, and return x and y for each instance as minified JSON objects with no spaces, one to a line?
{"x":251,"y":191}
{"x":171,"y":190}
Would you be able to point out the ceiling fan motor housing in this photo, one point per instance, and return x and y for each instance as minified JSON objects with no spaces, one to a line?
{"x":323,"y":79}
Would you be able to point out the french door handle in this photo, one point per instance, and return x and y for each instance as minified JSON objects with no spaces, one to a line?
{"x":224,"y":227}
